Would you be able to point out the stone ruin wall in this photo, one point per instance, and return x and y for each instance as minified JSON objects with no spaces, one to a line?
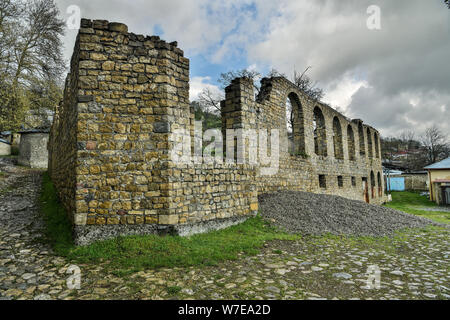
{"x":341,"y":151}
{"x":109,"y":144}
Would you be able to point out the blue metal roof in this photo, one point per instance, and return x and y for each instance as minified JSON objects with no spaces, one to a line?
{"x":444,"y":164}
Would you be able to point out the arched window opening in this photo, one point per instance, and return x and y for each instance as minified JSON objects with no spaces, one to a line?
{"x":362,"y":145}
{"x":337,"y":139}
{"x":372,"y":183}
{"x":377,"y":145}
{"x":320,"y":134}
{"x":351,"y":143}
{"x":295,"y":125}
{"x":369,"y":143}
{"x":380,"y":185}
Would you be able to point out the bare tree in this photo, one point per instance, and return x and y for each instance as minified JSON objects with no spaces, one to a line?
{"x":435,"y":144}
{"x":209,"y":100}
{"x":408,"y":137}
{"x":226,"y":78}
{"x":304,"y":83}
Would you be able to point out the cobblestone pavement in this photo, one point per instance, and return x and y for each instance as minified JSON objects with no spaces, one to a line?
{"x":413,"y":267}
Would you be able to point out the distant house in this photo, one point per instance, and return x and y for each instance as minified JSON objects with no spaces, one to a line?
{"x":439,"y":178}
{"x":5,"y":147}
{"x":12,"y":137}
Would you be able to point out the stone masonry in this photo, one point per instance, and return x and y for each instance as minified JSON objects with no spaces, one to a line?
{"x":345,"y":153}
{"x":33,"y":149}
{"x":110,"y":143}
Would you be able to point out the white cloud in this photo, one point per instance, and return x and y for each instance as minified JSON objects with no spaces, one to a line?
{"x":339,"y":93}
{"x":197,"y":84}
{"x":371,"y":74}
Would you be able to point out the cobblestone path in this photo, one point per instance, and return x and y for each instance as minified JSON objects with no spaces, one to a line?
{"x":415,"y":266}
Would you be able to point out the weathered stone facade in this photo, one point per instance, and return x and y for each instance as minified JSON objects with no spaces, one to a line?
{"x":111,"y":139}
{"x":416,"y":182}
{"x":345,"y":153}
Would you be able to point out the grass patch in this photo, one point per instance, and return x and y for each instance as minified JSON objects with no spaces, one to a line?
{"x":125,"y":255}
{"x":14,"y":151}
{"x":129,"y":254}
{"x":173,"y":290}
{"x":11,"y":156}
{"x":414,"y":203}
{"x":135,"y":253}
{"x":58,"y":230}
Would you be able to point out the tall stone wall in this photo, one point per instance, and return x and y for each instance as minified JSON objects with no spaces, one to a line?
{"x":347,"y":162}
{"x":111,"y":140}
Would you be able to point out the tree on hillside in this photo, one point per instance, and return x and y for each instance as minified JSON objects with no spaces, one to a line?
{"x":30,"y":58}
{"x":413,"y":153}
{"x":210,"y":120}
{"x":436,"y":145}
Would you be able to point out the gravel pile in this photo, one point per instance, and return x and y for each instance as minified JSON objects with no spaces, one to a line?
{"x":308,"y":213}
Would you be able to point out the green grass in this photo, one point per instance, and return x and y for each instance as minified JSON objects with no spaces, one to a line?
{"x":134,"y":253}
{"x":173,"y":290}
{"x":58,"y":227}
{"x":14,"y":151}
{"x":414,"y":203}
{"x":125,"y":255}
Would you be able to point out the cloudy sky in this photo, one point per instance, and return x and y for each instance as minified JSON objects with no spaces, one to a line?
{"x":396,"y":78}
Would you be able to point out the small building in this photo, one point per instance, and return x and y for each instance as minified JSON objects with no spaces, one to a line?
{"x":5,"y":147}
{"x":393,"y":180}
{"x":439,"y":182}
{"x":33,"y":148}
{"x":6,"y":135}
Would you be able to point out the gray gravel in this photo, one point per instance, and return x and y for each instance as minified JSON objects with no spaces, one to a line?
{"x":308,"y":213}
